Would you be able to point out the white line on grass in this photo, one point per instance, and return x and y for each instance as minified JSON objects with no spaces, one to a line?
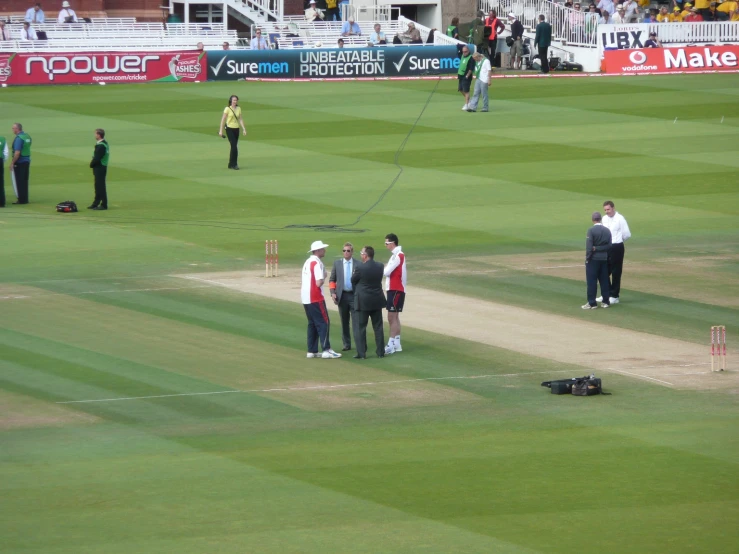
{"x":313,"y":387}
{"x":367,"y":384}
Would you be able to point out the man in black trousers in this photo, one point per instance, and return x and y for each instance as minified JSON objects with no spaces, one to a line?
{"x":99,"y":165}
{"x":542,"y":41}
{"x":597,"y":245}
{"x":369,"y":300}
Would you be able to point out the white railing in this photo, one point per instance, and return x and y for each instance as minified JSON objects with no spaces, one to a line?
{"x":111,"y":21}
{"x":384,"y":12}
{"x":113,"y":45}
{"x":262,"y":9}
{"x":132,"y":30}
{"x":703,"y":32}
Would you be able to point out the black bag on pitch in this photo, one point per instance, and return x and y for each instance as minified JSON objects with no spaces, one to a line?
{"x":561,"y":386}
{"x":68,"y":206}
{"x":589,"y":385}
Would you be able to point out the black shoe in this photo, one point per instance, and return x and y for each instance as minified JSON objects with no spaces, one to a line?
{"x":358,"y":357}
{"x":98,"y":208}
{"x":346,"y":348}
{"x":236,"y":167}
{"x":92,"y":207}
{"x":16,"y":203}
{"x":381,"y":355}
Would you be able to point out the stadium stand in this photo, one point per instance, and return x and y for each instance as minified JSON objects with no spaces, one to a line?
{"x":120,"y":34}
{"x":573,"y":27}
{"x":295,"y":32}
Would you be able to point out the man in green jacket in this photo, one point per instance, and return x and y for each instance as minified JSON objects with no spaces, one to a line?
{"x":542,"y":41}
{"x":464,"y":75}
{"x":477,"y":33}
{"x":99,"y":165}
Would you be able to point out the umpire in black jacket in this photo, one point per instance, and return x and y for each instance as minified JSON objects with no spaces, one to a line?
{"x":597,"y":245}
{"x":369,"y":300}
{"x":99,"y":165}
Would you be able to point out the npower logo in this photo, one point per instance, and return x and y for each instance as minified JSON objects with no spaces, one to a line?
{"x":85,"y":64}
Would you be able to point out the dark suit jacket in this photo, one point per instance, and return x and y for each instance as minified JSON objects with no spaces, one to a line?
{"x":543,"y":36}
{"x":337,"y":275}
{"x":367,"y":281}
{"x":599,"y":237}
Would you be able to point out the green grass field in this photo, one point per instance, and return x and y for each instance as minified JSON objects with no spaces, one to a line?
{"x":451,"y":446}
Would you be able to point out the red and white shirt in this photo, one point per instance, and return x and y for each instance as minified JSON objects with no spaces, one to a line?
{"x":313,"y":272}
{"x":395,"y":271}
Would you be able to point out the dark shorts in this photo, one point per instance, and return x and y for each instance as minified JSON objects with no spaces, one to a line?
{"x":464,"y":84}
{"x":395,"y":300}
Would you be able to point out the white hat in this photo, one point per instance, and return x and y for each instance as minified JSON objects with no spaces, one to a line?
{"x":65,"y":4}
{"x":317,"y":245}
{"x":312,"y":1}
{"x":512,"y":15}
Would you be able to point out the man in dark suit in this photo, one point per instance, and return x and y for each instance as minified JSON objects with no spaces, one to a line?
{"x":342,"y":291}
{"x":597,"y":245}
{"x":542,"y":41}
{"x":369,"y":300}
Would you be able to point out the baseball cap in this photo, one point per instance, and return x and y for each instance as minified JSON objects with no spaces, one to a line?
{"x":652,"y":34}
{"x":317,"y":244}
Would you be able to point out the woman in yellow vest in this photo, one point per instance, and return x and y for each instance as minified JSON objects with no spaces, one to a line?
{"x":232,"y":120}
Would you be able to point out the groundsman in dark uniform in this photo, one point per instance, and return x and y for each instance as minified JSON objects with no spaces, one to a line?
{"x":597,"y":244}
{"x":99,"y":165}
{"x":3,"y":159}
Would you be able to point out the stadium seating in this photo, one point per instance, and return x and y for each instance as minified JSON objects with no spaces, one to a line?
{"x":120,"y":33}
{"x":297,"y":33}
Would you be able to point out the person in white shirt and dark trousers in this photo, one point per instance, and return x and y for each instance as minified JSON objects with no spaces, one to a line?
{"x":620,"y":233}
{"x":340,"y":285}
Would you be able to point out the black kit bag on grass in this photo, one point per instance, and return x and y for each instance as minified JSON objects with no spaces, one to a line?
{"x":67,"y":206}
{"x":589,"y":385}
{"x":561,"y":386}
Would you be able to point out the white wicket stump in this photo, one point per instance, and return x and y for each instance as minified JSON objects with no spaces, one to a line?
{"x":718,"y":348}
{"x":271,"y":258}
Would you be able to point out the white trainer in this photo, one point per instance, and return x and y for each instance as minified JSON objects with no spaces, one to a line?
{"x":588,"y":307}
{"x":604,"y":306}
{"x":389,"y":349}
{"x":599,"y":299}
{"x":464,"y":108}
{"x":613,"y":300}
{"x":398,"y":348}
{"x":327,"y":354}
{"x":311,"y":355}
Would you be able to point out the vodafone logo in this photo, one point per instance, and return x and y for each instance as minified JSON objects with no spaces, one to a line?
{"x":85,"y":64}
{"x":637,"y":57}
